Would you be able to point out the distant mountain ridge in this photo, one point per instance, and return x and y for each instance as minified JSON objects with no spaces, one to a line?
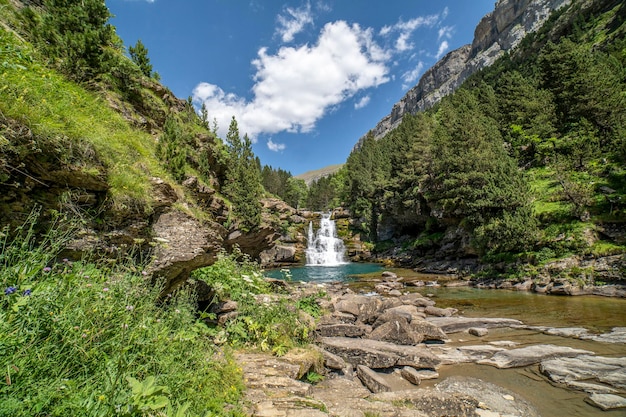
{"x":312,"y":176}
{"x":497,"y":33}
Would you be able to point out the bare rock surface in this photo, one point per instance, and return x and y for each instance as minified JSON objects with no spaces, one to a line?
{"x":611,"y":372}
{"x":378,"y":354}
{"x":530,"y":355}
{"x":607,"y":401}
{"x":461,"y":324}
{"x":497,"y":400}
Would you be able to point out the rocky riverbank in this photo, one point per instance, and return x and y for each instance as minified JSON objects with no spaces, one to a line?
{"x":381,"y":353}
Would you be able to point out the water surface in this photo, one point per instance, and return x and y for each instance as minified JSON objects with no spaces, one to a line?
{"x":345,"y":273}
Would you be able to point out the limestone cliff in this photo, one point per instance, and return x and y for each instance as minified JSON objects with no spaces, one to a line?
{"x":498,"y":32}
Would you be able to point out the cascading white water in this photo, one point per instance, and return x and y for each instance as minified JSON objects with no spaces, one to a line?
{"x":324,"y":248}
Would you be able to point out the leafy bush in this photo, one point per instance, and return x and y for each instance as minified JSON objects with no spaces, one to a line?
{"x":81,"y":339}
{"x":265,"y":321}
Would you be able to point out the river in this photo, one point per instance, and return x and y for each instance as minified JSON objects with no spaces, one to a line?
{"x":597,"y":314}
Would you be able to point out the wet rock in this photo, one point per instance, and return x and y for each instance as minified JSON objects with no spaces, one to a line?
{"x":607,"y":401}
{"x":417,"y":300}
{"x":530,"y":355}
{"x":372,"y":380}
{"x":478,"y":331}
{"x":617,"y":335}
{"x":460,"y":324}
{"x":377,"y":354}
{"x":440,"y":312}
{"x":464,"y":354}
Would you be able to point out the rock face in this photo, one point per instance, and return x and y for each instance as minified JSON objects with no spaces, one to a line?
{"x":498,"y":32}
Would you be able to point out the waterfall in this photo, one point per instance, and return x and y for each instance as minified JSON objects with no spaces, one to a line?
{"x":324,"y":248}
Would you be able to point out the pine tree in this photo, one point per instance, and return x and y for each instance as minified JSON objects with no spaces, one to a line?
{"x":139,"y":55}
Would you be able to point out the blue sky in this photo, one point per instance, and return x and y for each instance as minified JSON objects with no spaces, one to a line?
{"x":305,"y":79}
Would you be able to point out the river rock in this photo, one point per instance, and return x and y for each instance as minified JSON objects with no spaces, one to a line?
{"x":343,"y":330}
{"x":607,"y":401}
{"x":617,"y":335}
{"x":411,"y":375}
{"x":372,"y":380}
{"x":397,"y":331}
{"x":461,"y":324}
{"x":440,"y":312}
{"x":530,"y":355}
{"x":392,"y":315}
{"x":408,"y":310}
{"x":417,"y":300}
{"x":377,"y":354}
{"x":429,"y":330}
{"x":365,"y":308}
{"x":569,"y":371}
{"x":478,"y":331}
{"x":498,"y":400}
{"x":430,"y":402}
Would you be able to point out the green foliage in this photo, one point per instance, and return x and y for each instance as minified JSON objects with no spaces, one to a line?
{"x":243,"y":179}
{"x":75,"y":35}
{"x":265,"y":321}
{"x":72,"y":334}
{"x":139,"y":55}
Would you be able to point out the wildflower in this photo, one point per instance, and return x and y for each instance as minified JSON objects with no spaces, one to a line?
{"x":144,"y":273}
{"x":105,"y":289}
{"x":124,"y":326}
{"x":26,"y":293}
{"x":88,"y":285}
{"x":9,"y":290}
{"x":177,"y":311}
{"x":130,"y":308}
{"x":47,"y":269}
{"x":83,"y":335}
{"x":65,"y":260}
{"x":76,"y":327}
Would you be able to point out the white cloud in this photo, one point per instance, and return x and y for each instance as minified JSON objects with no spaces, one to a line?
{"x":276,"y":147}
{"x":296,"y":86}
{"x":364,"y":101}
{"x":443,"y":47}
{"x":409,"y":77}
{"x":405,"y":30}
{"x":293,"y":21}
{"x":445,"y":32}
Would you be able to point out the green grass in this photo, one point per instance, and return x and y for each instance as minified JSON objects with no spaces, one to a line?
{"x":80,"y":339}
{"x":67,"y":118}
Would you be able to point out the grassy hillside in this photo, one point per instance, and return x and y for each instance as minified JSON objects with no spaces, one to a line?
{"x":315,"y":175}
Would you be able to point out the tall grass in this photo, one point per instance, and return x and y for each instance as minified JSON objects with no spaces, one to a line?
{"x":64,"y":114}
{"x":81,"y":339}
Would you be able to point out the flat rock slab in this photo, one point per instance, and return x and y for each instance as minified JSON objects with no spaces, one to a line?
{"x":493,"y":398}
{"x":461,"y":324}
{"x":430,"y":402}
{"x":607,"y":401}
{"x":571,"y":371}
{"x":530,"y":355}
{"x":378,"y":355}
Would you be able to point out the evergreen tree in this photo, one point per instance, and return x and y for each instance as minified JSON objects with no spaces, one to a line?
{"x":75,"y":35}
{"x":243,"y":179}
{"x":139,"y":55}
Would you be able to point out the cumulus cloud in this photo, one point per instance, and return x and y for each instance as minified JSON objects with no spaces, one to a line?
{"x":276,"y":147}
{"x":362,"y":102}
{"x":296,"y":86}
{"x":409,"y":77}
{"x":443,"y":47}
{"x":293,"y":21}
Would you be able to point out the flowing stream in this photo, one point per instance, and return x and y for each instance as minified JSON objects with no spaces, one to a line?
{"x":598,"y":314}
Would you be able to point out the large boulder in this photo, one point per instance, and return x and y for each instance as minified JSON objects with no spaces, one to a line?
{"x":183,"y":244}
{"x":398,"y":331}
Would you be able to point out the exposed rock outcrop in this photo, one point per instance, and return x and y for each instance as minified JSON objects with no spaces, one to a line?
{"x":498,"y":32}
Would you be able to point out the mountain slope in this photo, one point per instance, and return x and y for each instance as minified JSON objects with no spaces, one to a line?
{"x":497,"y":33}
